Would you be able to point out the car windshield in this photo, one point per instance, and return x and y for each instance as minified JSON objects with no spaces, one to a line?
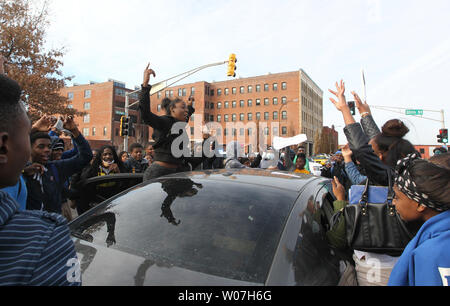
{"x":224,"y":228}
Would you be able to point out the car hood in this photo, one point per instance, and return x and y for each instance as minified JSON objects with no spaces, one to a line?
{"x":102,"y":266}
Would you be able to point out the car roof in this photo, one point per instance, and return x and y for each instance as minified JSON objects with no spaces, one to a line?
{"x":289,"y":181}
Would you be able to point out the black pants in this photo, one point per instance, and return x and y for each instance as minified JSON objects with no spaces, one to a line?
{"x":155,"y":170}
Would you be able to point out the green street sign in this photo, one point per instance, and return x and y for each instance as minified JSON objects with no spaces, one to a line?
{"x":414,"y":112}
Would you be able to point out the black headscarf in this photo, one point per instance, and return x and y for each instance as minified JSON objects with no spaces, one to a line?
{"x":406,"y":184}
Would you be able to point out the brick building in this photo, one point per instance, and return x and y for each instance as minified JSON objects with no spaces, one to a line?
{"x":104,"y":104}
{"x":282,"y":104}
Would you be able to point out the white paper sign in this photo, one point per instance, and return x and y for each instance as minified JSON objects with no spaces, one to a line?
{"x":280,"y":143}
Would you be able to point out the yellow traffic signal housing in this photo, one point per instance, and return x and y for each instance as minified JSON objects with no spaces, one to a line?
{"x":232,"y":65}
{"x":124,"y":126}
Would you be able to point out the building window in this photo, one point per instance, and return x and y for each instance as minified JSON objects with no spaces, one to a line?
{"x":119,"y":92}
{"x":422,"y":151}
{"x":234,"y":131}
{"x":226,"y":118}
{"x":86,"y":118}
{"x":184,"y":92}
{"x":219,"y":92}
{"x":242,"y":89}
{"x":284,"y":86}
{"x":233,"y":117}
{"x":242,"y":103}
{"x":87,"y":105}
{"x":167,"y":94}
{"x":284,"y":115}
{"x":211,"y":106}
{"x":158,"y":108}
{"x":258,"y":116}
{"x":266,"y":87}
{"x":70,"y":106}
{"x":258,"y":102}
{"x":242,"y":117}
{"x":258,"y":88}
{"x":225,"y":132}
{"x":105,"y":130}
{"x":170,"y":93}
{"x":266,"y":101}
{"x":219,"y":118}
{"x":192,"y":91}
{"x":250,"y":116}
{"x":93,"y":131}
{"x":85,"y":132}
{"x":275,"y":101}
{"x":241,"y":131}
{"x":249,"y":132}
{"x":159,"y":95}
{"x":227,"y":91}
{"x":70,"y":96}
{"x":227,"y":104}
{"x":211,"y":118}
{"x":275,"y":131}
{"x":180,"y":92}
{"x":249,"y":103}
{"x":266,"y":131}
{"x":87,"y":93}
{"x":275,"y":115}
{"x":233,"y":104}
{"x":283,"y":100}
{"x":219,"y":105}
{"x":233,"y":90}
{"x":250,"y":89}
{"x":266,"y":116}
{"x":284,"y":130}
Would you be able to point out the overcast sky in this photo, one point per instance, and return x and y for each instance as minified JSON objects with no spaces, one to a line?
{"x":403,"y":46}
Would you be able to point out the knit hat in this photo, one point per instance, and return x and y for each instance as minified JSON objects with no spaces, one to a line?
{"x":57,"y":144}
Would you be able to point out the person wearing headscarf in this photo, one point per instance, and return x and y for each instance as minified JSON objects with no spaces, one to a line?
{"x":422,"y":193}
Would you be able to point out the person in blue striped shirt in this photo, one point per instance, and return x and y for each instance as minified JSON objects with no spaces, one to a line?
{"x":35,"y":246}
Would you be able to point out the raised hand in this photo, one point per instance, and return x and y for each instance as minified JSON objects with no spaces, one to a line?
{"x":341,"y":104}
{"x":44,"y":124}
{"x":338,"y":189}
{"x":147,"y":73}
{"x":190,"y":101}
{"x":70,"y":125}
{"x":347,"y":153}
{"x":363,"y":107}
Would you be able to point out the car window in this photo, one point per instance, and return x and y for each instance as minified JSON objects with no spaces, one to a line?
{"x":315,"y":262}
{"x":224,"y":228}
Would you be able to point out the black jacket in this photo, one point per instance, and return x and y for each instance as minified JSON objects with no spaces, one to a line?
{"x":162,"y":126}
{"x":358,"y":141}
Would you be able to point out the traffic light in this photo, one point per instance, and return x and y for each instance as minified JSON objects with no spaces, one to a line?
{"x":232,"y":65}
{"x":124,"y":126}
{"x":351,"y":105}
{"x":443,"y":136}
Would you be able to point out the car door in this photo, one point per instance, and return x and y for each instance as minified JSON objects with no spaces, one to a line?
{"x":304,"y":257}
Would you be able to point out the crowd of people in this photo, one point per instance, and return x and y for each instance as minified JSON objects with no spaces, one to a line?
{"x":41,"y":181}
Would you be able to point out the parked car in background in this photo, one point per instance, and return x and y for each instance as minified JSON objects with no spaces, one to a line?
{"x":211,"y":228}
{"x":320,"y":159}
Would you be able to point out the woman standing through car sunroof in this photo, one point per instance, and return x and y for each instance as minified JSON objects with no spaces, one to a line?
{"x":177,"y":110}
